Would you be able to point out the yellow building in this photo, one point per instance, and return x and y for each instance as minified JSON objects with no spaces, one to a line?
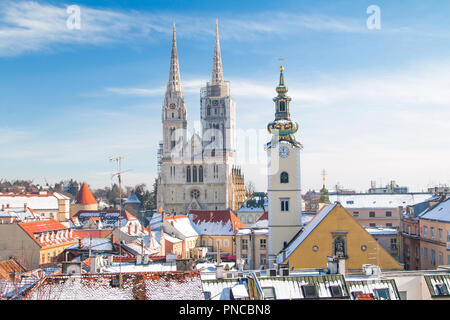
{"x":36,"y":243}
{"x":333,"y":232}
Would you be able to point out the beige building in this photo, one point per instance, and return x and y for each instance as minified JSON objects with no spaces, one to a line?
{"x":378,"y":210}
{"x":252,"y":247}
{"x":434,"y":225}
{"x":180,"y":227}
{"x":50,"y":205}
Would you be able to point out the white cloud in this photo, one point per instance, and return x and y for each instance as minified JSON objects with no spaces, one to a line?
{"x":29,"y":26}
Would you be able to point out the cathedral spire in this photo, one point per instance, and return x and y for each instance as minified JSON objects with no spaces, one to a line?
{"x":174,"y":87}
{"x":217,"y":75}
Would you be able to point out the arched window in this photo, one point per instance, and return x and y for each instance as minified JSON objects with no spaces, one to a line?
{"x":200,"y":174}
{"x":284,"y":177}
{"x":194,"y":174}
{"x":282,"y":106}
{"x":188,"y":174}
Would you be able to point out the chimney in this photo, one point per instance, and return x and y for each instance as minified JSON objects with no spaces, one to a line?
{"x":80,"y":243}
{"x":3,"y":207}
{"x":25,"y":207}
{"x":210,"y":215}
{"x":112,"y":238}
{"x":136,"y":228}
{"x":129,"y":228}
{"x":7,"y":206}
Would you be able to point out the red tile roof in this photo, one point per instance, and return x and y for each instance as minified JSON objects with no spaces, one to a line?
{"x":82,"y":234}
{"x":35,"y":227}
{"x":223,"y":216}
{"x":85,"y":196}
{"x":265,"y":216}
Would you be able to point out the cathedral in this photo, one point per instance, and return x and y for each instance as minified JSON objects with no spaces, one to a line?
{"x":198,"y":171}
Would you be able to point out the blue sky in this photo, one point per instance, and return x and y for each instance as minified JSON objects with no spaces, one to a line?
{"x":371,"y":104}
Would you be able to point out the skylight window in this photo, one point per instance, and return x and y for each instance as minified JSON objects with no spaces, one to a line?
{"x":442,"y":289}
{"x":382,"y":294}
{"x":269,"y":293}
{"x":336,"y":291}
{"x":309,"y":291}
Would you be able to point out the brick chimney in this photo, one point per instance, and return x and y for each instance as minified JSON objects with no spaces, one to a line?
{"x":7,"y":206}
{"x":80,"y":243}
{"x":136,"y":228}
{"x":25,"y":207}
{"x":3,"y":207}
{"x":129,"y":228}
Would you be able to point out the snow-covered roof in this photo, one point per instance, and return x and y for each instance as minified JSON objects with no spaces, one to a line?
{"x":171,"y":239}
{"x":440,"y":212}
{"x":182,"y":224}
{"x":291,"y":287}
{"x":20,"y":214}
{"x":220,"y":289}
{"x":139,"y":249}
{"x":95,"y":244}
{"x":369,"y":286}
{"x":48,"y":201}
{"x":255,"y":231}
{"x":219,"y":222}
{"x":381,"y":231}
{"x":109,"y":217}
{"x":378,"y":200}
{"x":171,"y":285}
{"x":150,"y":267}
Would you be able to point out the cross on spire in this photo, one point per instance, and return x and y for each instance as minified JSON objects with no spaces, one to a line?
{"x":324,"y":173}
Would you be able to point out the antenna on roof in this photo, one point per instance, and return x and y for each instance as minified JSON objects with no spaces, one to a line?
{"x":119,"y":172}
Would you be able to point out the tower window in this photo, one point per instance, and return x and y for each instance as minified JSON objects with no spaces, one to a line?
{"x":200,"y":174}
{"x":284,"y":205}
{"x":284,"y":177}
{"x":188,"y":174}
{"x":282,"y":106}
{"x":194,"y":174}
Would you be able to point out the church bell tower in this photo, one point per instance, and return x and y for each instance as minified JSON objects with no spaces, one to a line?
{"x":284,"y":188}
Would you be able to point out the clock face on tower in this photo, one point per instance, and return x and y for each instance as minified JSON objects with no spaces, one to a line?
{"x":284,"y":152}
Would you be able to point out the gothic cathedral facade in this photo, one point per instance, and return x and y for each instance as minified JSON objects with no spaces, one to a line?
{"x":198,"y":172}
{"x":284,"y":188}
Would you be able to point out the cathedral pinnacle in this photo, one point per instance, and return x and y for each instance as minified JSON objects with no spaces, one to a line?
{"x":174,"y":87}
{"x":217,"y":75}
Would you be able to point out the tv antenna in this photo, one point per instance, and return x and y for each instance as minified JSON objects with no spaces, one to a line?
{"x":119,"y":173}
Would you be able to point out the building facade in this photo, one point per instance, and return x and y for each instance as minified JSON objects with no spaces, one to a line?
{"x":376,"y":209}
{"x":198,"y":172}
